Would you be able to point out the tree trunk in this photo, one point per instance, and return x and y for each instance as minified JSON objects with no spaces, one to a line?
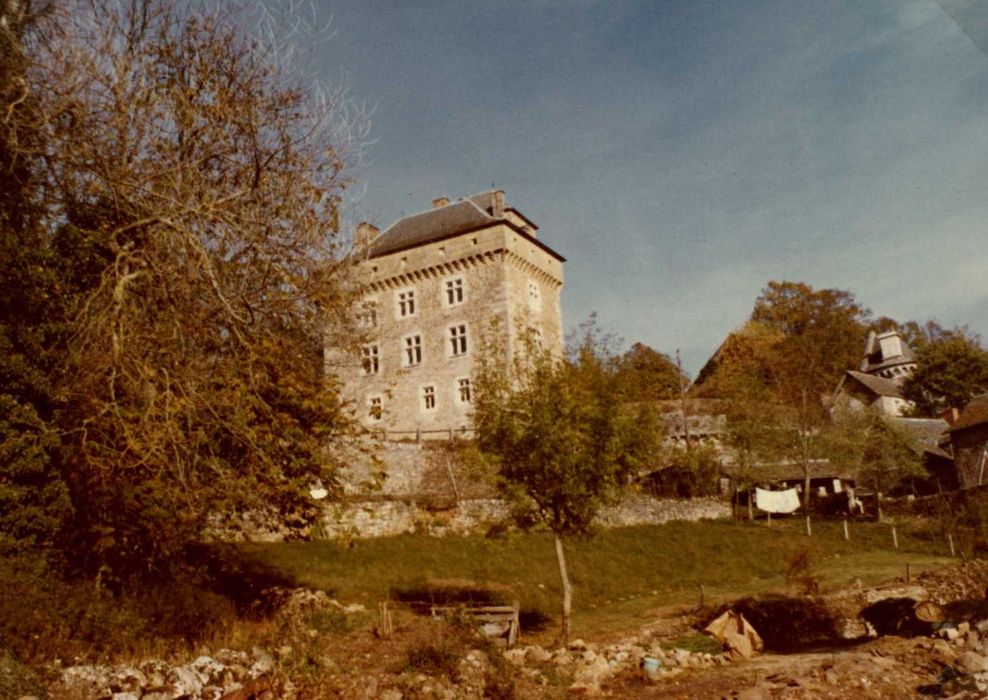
{"x":878,"y":502}
{"x":567,"y":590}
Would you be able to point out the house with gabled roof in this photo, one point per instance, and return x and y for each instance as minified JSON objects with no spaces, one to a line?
{"x":969,"y":439}
{"x":885,"y":366}
{"x":431,"y":284}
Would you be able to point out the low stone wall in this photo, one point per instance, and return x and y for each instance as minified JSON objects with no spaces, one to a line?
{"x":644,"y":510}
{"x":384,"y":518}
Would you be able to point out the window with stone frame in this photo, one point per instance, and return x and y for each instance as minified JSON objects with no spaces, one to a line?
{"x":457,"y":339}
{"x":454,"y":291}
{"x":464,"y":390}
{"x":405,"y":303}
{"x":429,"y":397}
{"x":367,"y":314}
{"x":375,"y":407}
{"x":371,"y":359}
{"x":534,"y":295}
{"x":411,"y":350}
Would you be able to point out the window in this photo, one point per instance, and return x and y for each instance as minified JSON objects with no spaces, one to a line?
{"x":457,"y":340}
{"x":534,"y":295}
{"x":371,"y":359}
{"x":367,"y":314}
{"x":534,"y":339}
{"x":429,"y":398}
{"x":406,"y":303}
{"x":463,"y":390}
{"x":375,"y":407}
{"x":453,"y":291}
{"x":412,"y":350}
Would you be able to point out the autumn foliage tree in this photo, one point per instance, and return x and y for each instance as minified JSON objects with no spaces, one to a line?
{"x":186,"y":183}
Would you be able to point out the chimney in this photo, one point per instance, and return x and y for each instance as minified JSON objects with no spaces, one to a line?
{"x":440,"y":202}
{"x":950,"y":415}
{"x":497,"y":203}
{"x":366,"y":234}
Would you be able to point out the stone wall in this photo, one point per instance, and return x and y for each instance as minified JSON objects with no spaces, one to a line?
{"x":384,"y":518}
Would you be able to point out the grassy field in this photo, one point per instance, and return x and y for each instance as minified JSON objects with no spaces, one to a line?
{"x":620,"y":575}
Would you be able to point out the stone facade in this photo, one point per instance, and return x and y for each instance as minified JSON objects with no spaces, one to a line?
{"x":433,"y":285}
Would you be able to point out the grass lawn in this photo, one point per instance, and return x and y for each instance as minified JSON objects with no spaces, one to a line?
{"x":618,"y":576}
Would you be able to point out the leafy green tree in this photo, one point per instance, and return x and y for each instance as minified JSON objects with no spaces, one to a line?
{"x":34,"y":502}
{"x":562,"y":444}
{"x":951,"y":367}
{"x":644,"y":374}
{"x":881,"y":453}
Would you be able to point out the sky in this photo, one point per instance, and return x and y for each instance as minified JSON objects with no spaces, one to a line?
{"x":681,"y":154}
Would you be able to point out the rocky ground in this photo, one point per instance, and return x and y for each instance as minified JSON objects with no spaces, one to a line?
{"x":325,"y":656}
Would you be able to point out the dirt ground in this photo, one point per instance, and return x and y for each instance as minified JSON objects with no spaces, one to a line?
{"x":886,"y":668}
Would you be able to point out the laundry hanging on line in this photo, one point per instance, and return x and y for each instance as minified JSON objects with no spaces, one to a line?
{"x":777,"y":501}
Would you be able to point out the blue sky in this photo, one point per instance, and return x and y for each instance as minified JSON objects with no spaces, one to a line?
{"x":682,"y":154}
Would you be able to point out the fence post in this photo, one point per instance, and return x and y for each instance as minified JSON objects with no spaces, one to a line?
{"x":895,"y":537}
{"x":950,"y":541}
{"x":847,"y":533}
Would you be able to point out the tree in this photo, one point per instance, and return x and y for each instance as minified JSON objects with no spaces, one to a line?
{"x":879,"y":451}
{"x":34,"y":503}
{"x":645,"y":374}
{"x":781,"y":366}
{"x":186,"y":183}
{"x":951,"y":367}
{"x":561,"y":441}
{"x":822,"y":333}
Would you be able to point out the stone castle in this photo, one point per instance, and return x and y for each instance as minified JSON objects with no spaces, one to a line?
{"x":431,"y":284}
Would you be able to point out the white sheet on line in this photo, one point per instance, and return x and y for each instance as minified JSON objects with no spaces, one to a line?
{"x":777,"y":501}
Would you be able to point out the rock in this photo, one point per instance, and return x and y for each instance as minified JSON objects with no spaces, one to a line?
{"x":971,"y":662}
{"x":537,"y":655}
{"x":86,"y":681}
{"x":590,"y":675}
{"x":125,"y":696}
{"x":231,"y":657}
{"x":944,"y":650}
{"x":577,"y":645}
{"x":184,"y":681}
{"x":515,"y":656}
{"x":354,"y":608}
{"x":209,"y":670}
{"x":390,"y":694}
{"x":263,"y":663}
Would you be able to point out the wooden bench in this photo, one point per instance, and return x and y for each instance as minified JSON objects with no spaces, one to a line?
{"x":498,"y":622}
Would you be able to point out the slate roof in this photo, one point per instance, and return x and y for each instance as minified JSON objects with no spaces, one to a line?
{"x":927,"y":431}
{"x":975,"y":413}
{"x":880,"y":386}
{"x":432,"y":225}
{"x":463,"y":216}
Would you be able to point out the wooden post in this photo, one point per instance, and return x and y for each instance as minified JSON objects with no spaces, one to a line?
{"x":682,"y":400}
{"x":769,"y":515}
{"x":418,"y":435}
{"x":907,"y":572}
{"x":950,"y":541}
{"x":809,"y":527}
{"x":895,"y":537}
{"x":386,"y":627}
{"x":452,"y":479}
{"x":847,"y":533}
